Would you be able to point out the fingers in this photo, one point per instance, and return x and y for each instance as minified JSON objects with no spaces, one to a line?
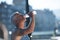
{"x":31,"y":14}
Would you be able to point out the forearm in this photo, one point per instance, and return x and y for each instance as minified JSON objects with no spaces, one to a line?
{"x":30,"y":28}
{"x":5,"y":37}
{"x":31,"y":25}
{"x":5,"y":32}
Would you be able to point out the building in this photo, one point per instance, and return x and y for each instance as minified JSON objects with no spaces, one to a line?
{"x":6,"y":11}
{"x":21,"y":4}
{"x":45,"y":20}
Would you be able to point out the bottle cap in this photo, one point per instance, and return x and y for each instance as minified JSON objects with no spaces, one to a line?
{"x":34,"y":12}
{"x":26,"y":15}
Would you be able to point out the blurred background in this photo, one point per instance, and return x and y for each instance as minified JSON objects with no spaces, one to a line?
{"x":47,"y":23}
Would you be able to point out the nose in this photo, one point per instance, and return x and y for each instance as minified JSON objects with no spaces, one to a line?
{"x":24,"y":16}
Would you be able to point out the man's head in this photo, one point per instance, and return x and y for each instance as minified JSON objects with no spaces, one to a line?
{"x":18,"y":18}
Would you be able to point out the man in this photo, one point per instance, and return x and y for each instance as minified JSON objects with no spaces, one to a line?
{"x":3,"y":32}
{"x":19,"y":20}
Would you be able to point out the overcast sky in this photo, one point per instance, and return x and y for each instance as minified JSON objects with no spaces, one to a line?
{"x":41,"y":4}
{"x":49,"y":4}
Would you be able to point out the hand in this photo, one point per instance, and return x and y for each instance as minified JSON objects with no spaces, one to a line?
{"x":31,"y":14}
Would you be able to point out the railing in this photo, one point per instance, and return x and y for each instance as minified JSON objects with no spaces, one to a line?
{"x":44,"y":35}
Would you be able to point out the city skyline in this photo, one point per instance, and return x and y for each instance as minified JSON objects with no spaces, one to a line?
{"x":42,"y":4}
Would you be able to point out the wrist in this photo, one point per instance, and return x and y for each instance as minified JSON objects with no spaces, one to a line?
{"x":32,"y":17}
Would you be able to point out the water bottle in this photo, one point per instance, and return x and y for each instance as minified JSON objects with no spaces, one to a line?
{"x":27,"y":16}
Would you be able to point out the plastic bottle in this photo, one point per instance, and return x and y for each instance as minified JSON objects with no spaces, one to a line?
{"x":27,"y":16}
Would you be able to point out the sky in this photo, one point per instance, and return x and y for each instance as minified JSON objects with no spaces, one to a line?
{"x":41,"y":4}
{"x":48,"y":4}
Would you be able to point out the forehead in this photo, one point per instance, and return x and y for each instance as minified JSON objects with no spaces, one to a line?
{"x":17,"y":14}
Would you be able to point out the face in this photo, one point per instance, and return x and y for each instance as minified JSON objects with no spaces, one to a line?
{"x":17,"y":18}
{"x":22,"y":18}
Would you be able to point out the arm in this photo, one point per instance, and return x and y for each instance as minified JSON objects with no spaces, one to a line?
{"x":31,"y":25}
{"x":5,"y":32}
{"x":30,"y":28}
